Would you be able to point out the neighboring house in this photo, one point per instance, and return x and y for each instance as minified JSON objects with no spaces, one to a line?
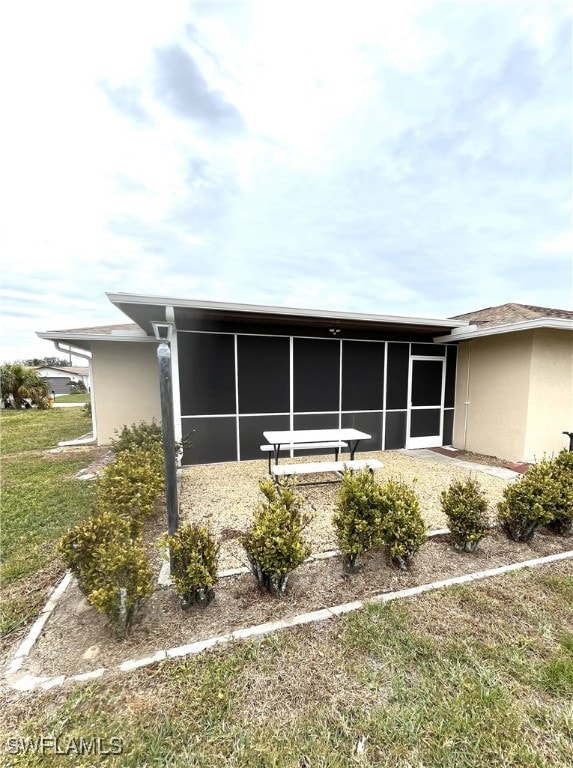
{"x":240,"y":369}
{"x":62,"y":378}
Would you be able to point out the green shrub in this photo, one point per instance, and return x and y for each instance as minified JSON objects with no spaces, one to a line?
{"x":273,"y":543}
{"x":194,"y":563}
{"x":562,"y":473}
{"x":402,"y":527}
{"x":465,"y":506}
{"x":111,"y":568}
{"x":79,"y":546}
{"x":529,"y":502}
{"x":146,"y":435}
{"x":356,"y":519}
{"x":130,"y":485}
{"x":87,"y":410}
{"x":126,"y":581}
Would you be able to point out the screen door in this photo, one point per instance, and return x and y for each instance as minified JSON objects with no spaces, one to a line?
{"x":425,"y":420}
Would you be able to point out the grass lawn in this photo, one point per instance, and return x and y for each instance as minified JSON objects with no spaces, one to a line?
{"x":40,"y":499}
{"x":81,"y":397}
{"x":479,"y":676}
{"x":473,"y":677}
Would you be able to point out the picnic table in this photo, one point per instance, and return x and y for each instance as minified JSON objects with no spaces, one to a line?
{"x":316,"y":439}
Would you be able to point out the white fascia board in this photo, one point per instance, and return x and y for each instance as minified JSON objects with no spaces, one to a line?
{"x":129,"y":298}
{"x":474,"y":332}
{"x":130,"y":336}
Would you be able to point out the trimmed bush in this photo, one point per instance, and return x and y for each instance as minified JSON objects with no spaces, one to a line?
{"x":194,"y":555}
{"x":402,"y":528}
{"x":146,"y":435}
{"x":131,"y":485}
{"x":273,"y":543}
{"x":529,"y":502}
{"x":80,"y":545}
{"x":356,"y":519}
{"x":465,"y":506}
{"x":110,"y":566}
{"x":562,"y":473}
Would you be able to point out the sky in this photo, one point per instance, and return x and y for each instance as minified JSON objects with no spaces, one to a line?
{"x":410,"y":158}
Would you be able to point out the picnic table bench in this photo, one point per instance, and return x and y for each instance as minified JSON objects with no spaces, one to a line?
{"x":272,"y":449}
{"x":318,"y":467}
{"x":316,"y":439}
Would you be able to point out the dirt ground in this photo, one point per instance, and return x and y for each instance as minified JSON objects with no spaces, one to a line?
{"x":76,"y":640}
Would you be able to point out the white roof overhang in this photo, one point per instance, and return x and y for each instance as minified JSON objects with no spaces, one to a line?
{"x":144,"y":309}
{"x":476,"y":332}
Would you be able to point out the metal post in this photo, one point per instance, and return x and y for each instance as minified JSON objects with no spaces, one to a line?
{"x":166,"y":394}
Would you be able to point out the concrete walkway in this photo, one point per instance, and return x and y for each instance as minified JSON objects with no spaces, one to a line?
{"x":428,"y":453}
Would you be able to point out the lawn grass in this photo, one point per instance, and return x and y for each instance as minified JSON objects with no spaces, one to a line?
{"x":79,"y":397}
{"x":41,"y":498}
{"x":423,"y":683}
{"x":33,"y":430}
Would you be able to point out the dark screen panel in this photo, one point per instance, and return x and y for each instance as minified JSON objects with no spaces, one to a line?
{"x":395,"y":430}
{"x":206,"y":373}
{"x":315,"y":421}
{"x":316,"y":374}
{"x":211,"y":440}
{"x":425,"y":423}
{"x":362,"y":376}
{"x":429,"y":350}
{"x":427,"y":382}
{"x":264,"y":374}
{"x":251,"y":430}
{"x":371,"y":423}
{"x":397,"y":376}
{"x":448,"y":435}
{"x":450,"y":395}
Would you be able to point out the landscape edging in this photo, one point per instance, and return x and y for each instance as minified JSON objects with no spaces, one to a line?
{"x":27,"y":683}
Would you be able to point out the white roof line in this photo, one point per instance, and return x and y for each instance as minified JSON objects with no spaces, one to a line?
{"x":475,"y":332}
{"x":71,"y":336}
{"x":129,"y":298}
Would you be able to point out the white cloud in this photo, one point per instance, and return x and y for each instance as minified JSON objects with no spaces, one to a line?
{"x":410,"y":158}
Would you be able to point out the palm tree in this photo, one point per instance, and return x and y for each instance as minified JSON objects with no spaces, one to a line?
{"x":23,"y":383}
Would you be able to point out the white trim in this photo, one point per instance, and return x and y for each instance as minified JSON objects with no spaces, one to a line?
{"x":384,"y":393}
{"x":177,"y":427}
{"x":475,"y":332}
{"x":428,"y":441}
{"x":238,"y":426}
{"x":139,"y":299}
{"x":340,"y":353}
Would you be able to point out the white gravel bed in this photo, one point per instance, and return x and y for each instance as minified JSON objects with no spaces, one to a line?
{"x":225,"y":496}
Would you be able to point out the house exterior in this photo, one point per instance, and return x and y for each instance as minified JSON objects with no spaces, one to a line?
{"x":62,"y":378}
{"x":239,"y":369}
{"x":514,"y":384}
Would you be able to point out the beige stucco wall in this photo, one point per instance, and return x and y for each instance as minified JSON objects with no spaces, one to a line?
{"x":125,"y":386}
{"x":520,"y":394}
{"x":495,"y":418}
{"x":550,"y":393}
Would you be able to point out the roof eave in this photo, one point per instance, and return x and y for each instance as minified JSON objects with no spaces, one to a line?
{"x":78,"y":338}
{"x":475,"y":332}
{"x":119,"y":299}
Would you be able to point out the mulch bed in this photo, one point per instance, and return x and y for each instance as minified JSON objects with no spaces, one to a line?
{"x":76,"y":639}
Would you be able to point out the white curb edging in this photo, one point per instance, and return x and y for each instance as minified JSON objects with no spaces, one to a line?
{"x":27,"y":682}
{"x":27,"y":644}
